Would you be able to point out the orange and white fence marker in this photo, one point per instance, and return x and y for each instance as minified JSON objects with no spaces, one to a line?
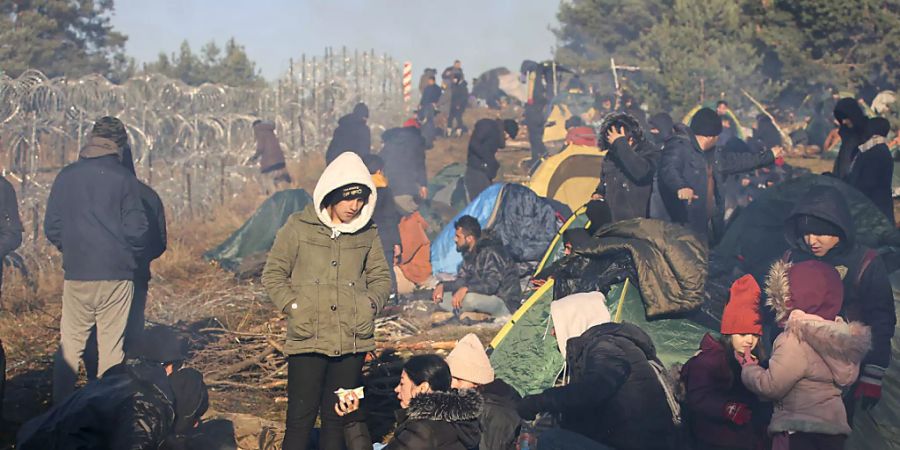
{"x":407,"y":82}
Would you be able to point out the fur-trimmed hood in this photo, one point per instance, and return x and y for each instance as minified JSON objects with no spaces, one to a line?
{"x":841,"y":345}
{"x":452,"y":406}
{"x":813,"y":287}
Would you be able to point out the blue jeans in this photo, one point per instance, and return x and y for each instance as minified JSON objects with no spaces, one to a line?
{"x":557,"y":439}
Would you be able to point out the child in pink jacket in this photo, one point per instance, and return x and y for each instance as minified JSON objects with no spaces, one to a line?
{"x":815,"y":356}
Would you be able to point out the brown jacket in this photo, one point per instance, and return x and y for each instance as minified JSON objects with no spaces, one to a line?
{"x":812,"y":360}
{"x":415,"y":261}
{"x":268,"y":149}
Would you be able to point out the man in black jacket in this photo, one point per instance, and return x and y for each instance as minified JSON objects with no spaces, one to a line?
{"x":820,"y":227}
{"x":459,"y":99}
{"x":692,"y":171}
{"x":488,"y":280}
{"x":872,"y":169}
{"x":10,"y":224}
{"x":488,"y":136}
{"x":628,"y":169}
{"x":428,"y":111}
{"x":613,"y":396}
{"x":404,"y":165}
{"x":95,"y":217}
{"x":852,"y":130}
{"x":351,"y":135}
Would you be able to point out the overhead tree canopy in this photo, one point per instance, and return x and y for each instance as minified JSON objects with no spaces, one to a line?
{"x":772,"y":48}
{"x":60,"y":37}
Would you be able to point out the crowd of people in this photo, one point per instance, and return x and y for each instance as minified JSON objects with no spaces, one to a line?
{"x":787,"y":373}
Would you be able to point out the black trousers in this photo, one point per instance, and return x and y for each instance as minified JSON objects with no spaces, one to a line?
{"x":456,"y":117}
{"x":536,"y":140}
{"x":476,"y":181}
{"x":312,"y":380}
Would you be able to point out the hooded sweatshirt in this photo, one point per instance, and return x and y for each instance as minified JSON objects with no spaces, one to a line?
{"x":851,"y":137}
{"x":868,"y":296}
{"x":95,"y":216}
{"x":575,"y":314}
{"x":330,"y":280}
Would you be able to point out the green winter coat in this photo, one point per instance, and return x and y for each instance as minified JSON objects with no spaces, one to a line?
{"x":330,"y":281}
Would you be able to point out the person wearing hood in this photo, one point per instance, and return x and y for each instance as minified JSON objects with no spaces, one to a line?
{"x":433,"y":415}
{"x":471,"y":368}
{"x":852,"y":123}
{"x":612,"y":396}
{"x":487,"y":281}
{"x":488,"y":136}
{"x":692,"y":173}
{"x":723,"y":413}
{"x":816,"y":356}
{"x":351,"y":135}
{"x":872,"y":169}
{"x":428,"y":110}
{"x":328,"y":275}
{"x":661,"y":130}
{"x":270,"y":156}
{"x":147,"y":402}
{"x":628,"y":169}
{"x":95,"y":217}
{"x":404,"y":164}
{"x":821,"y":228}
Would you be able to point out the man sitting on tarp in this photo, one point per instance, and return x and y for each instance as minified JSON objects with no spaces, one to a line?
{"x":487,"y":281}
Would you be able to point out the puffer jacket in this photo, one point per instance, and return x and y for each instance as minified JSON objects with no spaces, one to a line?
{"x":499,"y":420}
{"x":613,"y":396}
{"x":812,"y":361}
{"x":439,"y":421}
{"x":868,"y":296}
{"x":131,"y":407}
{"x":627,"y":178}
{"x":329,"y":280}
{"x":711,"y":383}
{"x":488,"y":269}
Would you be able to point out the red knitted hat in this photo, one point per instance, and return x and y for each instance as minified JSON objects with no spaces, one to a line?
{"x":741,"y":315}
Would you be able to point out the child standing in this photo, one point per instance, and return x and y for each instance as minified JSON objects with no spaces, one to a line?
{"x":720,"y":407}
{"x":815,"y":356}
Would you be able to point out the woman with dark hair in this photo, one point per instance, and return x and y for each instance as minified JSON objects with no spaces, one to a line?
{"x":723,"y":413}
{"x":628,"y":169}
{"x":432,"y":415}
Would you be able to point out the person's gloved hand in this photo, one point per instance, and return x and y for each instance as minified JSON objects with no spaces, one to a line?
{"x":868,"y":388}
{"x":738,"y":413}
{"x":528,"y":407}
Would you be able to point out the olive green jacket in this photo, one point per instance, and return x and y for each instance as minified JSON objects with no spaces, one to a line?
{"x":330,"y":282}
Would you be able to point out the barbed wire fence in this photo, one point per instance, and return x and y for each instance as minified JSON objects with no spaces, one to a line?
{"x":190,"y":143}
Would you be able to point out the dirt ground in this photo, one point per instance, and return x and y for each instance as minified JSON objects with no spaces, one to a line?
{"x":230,"y":323}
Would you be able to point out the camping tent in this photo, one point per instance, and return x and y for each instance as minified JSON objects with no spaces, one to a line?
{"x":570,"y":176}
{"x":525,"y":355}
{"x":524,"y":222}
{"x":255,"y":237}
{"x":562,"y":107}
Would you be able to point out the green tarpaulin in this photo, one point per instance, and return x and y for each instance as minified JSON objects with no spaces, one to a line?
{"x":257,"y":235}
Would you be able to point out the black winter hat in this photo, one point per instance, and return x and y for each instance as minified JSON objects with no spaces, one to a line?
{"x":599,"y":213}
{"x":110,"y":128}
{"x":706,"y":123}
{"x":347,"y":192}
{"x":807,"y":224}
{"x":160,"y":344}
{"x":511,"y":127}
{"x":191,"y":398}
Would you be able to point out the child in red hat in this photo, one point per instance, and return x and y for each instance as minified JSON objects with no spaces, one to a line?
{"x":720,"y":407}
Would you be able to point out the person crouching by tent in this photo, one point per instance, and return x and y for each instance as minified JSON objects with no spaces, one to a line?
{"x":404,"y":164}
{"x":386,"y":215}
{"x":723,"y":414}
{"x":627,"y":173}
{"x":612,"y":396}
{"x":816,"y":356}
{"x":488,"y":136}
{"x":471,"y":368}
{"x":487,"y":281}
{"x":413,"y":269}
{"x":433,"y":416}
{"x":327,"y":274}
{"x":270,"y":156}
{"x":821,"y":228}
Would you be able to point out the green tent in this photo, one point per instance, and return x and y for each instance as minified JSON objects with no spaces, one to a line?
{"x":254,"y":239}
